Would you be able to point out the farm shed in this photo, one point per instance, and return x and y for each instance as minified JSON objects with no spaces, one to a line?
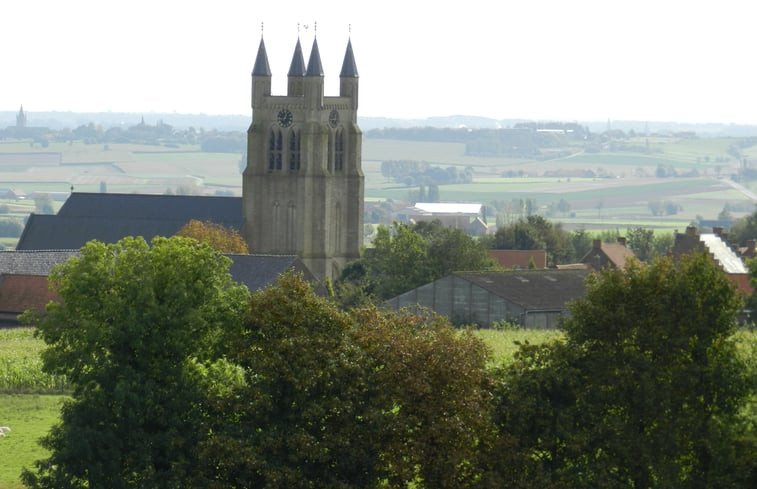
{"x":532,"y":298}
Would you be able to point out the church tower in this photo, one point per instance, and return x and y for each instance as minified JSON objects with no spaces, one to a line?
{"x":302,"y":190}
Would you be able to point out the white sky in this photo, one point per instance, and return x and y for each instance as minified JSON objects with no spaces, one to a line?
{"x":656,"y":60}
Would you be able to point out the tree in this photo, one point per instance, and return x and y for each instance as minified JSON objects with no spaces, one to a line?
{"x":134,"y":327}
{"x":304,"y":417}
{"x":645,"y":388}
{"x":640,"y":242}
{"x":405,"y":257}
{"x":536,"y":233}
{"x":430,"y":383}
{"x":219,"y":237}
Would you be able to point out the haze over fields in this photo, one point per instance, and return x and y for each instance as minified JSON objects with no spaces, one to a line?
{"x":587,"y":60}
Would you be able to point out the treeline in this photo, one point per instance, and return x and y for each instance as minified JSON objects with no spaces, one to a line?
{"x":182,"y":379}
{"x":522,"y":140}
{"x":160,"y":134}
{"x":412,"y":173}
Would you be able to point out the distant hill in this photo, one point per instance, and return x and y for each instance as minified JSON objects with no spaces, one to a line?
{"x":231,"y":122}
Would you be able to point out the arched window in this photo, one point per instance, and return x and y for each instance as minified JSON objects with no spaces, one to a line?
{"x":275,"y":149}
{"x":294,"y":149}
{"x":339,"y":150}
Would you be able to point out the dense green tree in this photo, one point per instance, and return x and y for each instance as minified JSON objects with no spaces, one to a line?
{"x":640,"y":241}
{"x":537,"y":233}
{"x":405,"y":256}
{"x":644,"y":390}
{"x":430,"y":380}
{"x":744,"y":229}
{"x":133,"y":332}
{"x":305,"y":416}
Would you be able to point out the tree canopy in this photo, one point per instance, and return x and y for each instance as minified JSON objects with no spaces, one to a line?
{"x":134,"y":322}
{"x":645,"y":387}
{"x":219,"y":237}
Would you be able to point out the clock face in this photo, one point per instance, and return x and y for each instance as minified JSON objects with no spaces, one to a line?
{"x":285,"y":118}
{"x":334,"y":118}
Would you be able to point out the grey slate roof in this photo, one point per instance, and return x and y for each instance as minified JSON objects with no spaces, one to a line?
{"x":260,"y":271}
{"x":38,"y":263}
{"x":297,"y":68}
{"x":254,"y":271}
{"x":349,"y":68}
{"x":261,"y":68}
{"x":532,"y":289}
{"x":111,"y":217}
{"x":315,"y":68}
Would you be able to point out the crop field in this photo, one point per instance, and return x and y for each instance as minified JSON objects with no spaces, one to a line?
{"x":619,"y":198}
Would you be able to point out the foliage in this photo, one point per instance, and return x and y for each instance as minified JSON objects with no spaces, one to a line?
{"x":537,"y":233}
{"x":304,"y":415}
{"x":10,"y":228}
{"x":644,"y":391}
{"x":219,"y":237}
{"x":405,"y":257}
{"x":744,"y":229}
{"x":133,"y":321}
{"x":430,"y":385}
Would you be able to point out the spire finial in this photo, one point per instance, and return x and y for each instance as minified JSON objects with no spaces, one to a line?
{"x":315,"y":28}
{"x":262,"y":24}
{"x":298,"y":29}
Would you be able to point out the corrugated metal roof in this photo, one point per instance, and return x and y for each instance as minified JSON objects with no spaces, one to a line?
{"x":447,"y":208}
{"x":723,"y":253}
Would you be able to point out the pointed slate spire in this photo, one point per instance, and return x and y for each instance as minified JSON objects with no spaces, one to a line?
{"x":349,"y":68}
{"x":261,"y":68}
{"x":297,"y":68}
{"x":315,"y":68}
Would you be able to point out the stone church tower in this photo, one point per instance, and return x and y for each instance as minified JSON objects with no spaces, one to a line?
{"x":302,"y":190}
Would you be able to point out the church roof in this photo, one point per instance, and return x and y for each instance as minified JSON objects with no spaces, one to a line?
{"x":261,"y":68}
{"x":297,"y":68}
{"x":349,"y":68}
{"x":315,"y":68}
{"x":110,"y":217}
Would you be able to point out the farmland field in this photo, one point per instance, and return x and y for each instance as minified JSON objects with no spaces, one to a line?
{"x":618,"y":196}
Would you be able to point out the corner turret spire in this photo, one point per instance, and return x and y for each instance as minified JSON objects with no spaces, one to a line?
{"x":261,"y":68}
{"x":349,"y":68}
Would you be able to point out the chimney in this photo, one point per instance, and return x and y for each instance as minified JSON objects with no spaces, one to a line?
{"x":691,"y":231}
{"x":622,"y":241}
{"x":597,"y":244}
{"x":718,"y":231}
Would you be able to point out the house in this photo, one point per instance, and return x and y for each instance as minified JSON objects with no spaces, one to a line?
{"x":23,"y":277}
{"x":466,"y":217}
{"x":519,"y":259}
{"x":715,"y":244}
{"x":602,"y":255}
{"x":110,"y":217}
{"x":532,"y":298}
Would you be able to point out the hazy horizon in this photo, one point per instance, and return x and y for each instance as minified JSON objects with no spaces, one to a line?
{"x":588,"y":60}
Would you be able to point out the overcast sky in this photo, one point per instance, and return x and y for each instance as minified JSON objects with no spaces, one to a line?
{"x":655,"y":60}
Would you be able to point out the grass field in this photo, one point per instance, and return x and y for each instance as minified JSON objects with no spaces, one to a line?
{"x":30,"y":417}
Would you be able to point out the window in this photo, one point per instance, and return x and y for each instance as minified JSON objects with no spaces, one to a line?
{"x":339,"y":150}
{"x":275,"y":146}
{"x":294,"y":150}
